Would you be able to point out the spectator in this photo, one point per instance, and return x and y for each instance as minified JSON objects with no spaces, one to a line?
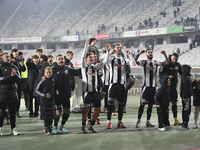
{"x":178,"y":9}
{"x":122,"y":29}
{"x":87,"y":31}
{"x":116,"y":29}
{"x":67,"y":32}
{"x":190,"y":46}
{"x":157,"y":24}
{"x":193,"y":43}
{"x":174,"y":13}
{"x":178,"y":50}
{"x":164,"y":14}
{"x":179,"y":3}
{"x":149,"y":19}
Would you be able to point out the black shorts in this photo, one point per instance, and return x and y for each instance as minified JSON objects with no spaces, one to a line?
{"x":92,"y":98}
{"x":117,"y":91}
{"x":65,"y":103}
{"x":148,"y":94}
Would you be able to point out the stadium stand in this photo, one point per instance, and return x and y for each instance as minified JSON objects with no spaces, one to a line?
{"x":43,"y":18}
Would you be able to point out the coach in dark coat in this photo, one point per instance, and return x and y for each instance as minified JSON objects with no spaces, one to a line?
{"x":9,"y":75}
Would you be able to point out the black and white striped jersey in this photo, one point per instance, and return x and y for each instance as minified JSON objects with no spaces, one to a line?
{"x":106,"y":75}
{"x":149,"y":70}
{"x":89,"y":72}
{"x":118,"y":68}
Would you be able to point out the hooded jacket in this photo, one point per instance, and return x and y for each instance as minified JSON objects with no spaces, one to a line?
{"x":162,"y":95}
{"x":186,"y":83}
{"x":8,"y":86}
{"x":47,"y":106}
{"x":62,"y":76}
{"x":173,"y":70}
{"x":196,"y":94}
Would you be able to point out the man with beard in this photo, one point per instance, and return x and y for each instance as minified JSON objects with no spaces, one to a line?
{"x":172,"y":69}
{"x":149,"y":69}
{"x":9,"y":75}
{"x":69,"y":56}
{"x":62,"y":75}
{"x":117,"y":87}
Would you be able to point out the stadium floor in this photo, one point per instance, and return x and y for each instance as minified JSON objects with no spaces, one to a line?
{"x":32,"y":136}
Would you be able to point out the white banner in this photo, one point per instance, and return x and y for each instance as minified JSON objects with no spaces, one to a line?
{"x":69,"y":38}
{"x":21,"y":40}
{"x":130,"y":33}
{"x":155,"y":31}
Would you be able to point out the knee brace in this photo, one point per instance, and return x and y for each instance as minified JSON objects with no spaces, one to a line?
{"x":111,"y":101}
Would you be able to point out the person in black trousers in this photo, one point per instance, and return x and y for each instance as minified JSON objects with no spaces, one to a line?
{"x":20,"y":65}
{"x":162,"y":100}
{"x":62,"y":75}
{"x":9,"y":75}
{"x":196,"y":101}
{"x":33,"y":71}
{"x":45,"y":89}
{"x":186,"y":93}
{"x":43,"y":64}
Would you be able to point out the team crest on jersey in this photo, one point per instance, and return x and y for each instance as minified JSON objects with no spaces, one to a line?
{"x":58,"y":72}
{"x":66,"y":71}
{"x":176,"y":68}
{"x":5,"y":70}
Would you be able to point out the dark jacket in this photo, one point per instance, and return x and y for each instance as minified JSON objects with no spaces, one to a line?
{"x":8,"y":86}
{"x":162,"y":95}
{"x":40,"y":75}
{"x":173,"y":70}
{"x":94,"y":50}
{"x":196,"y":94}
{"x":72,"y":81}
{"x":47,"y":106}
{"x":33,"y":71}
{"x":186,"y":83}
{"x":17,"y":61}
{"x":62,"y":76}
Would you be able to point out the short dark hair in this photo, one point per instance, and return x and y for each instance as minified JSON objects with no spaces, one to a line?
{"x":4,"y":54}
{"x":50,"y":56}
{"x":104,"y":51}
{"x":117,"y":44}
{"x":148,"y":49}
{"x":70,"y":52}
{"x":1,"y":49}
{"x":88,"y":54}
{"x":44,"y":57}
{"x":175,"y":54}
{"x":39,"y":50}
{"x":59,"y":55}
{"x":14,"y":50}
{"x":20,"y":53}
